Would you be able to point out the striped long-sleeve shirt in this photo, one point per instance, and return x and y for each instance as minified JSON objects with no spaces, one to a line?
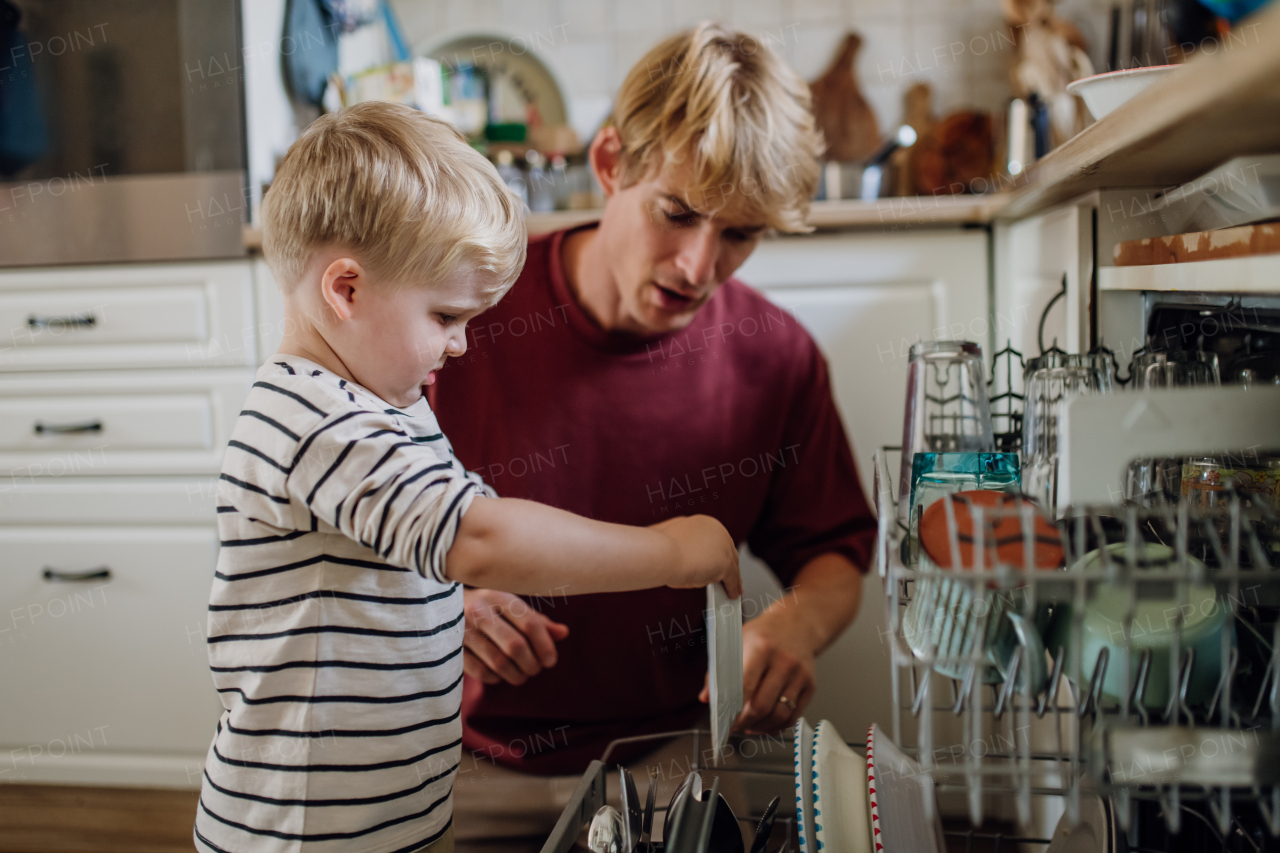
{"x":335,"y":638}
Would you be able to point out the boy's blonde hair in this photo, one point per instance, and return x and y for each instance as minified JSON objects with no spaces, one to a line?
{"x":401,"y":190}
{"x":731,"y":105}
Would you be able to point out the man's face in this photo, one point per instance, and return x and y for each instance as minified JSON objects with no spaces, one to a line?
{"x":668,"y":249}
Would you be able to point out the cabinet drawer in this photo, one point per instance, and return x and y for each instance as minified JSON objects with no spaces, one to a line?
{"x":68,"y":501}
{"x":121,"y":423}
{"x":148,"y":315}
{"x":118,"y":660}
{"x":136,"y":422}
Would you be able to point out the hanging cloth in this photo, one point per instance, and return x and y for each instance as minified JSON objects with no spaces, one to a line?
{"x":24,"y":137}
{"x":311,"y":32}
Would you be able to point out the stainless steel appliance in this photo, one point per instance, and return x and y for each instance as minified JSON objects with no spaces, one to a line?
{"x":136,"y":136}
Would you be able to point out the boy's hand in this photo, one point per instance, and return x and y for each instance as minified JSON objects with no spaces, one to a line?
{"x":506,"y":639}
{"x":707,"y":553}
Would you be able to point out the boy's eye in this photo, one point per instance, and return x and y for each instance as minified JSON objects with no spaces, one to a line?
{"x":680,"y":217}
{"x":447,"y":318}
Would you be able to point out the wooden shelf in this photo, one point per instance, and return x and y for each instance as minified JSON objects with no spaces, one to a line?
{"x":847,"y":213}
{"x":1203,"y":114}
{"x":1250,"y":274}
{"x":907,"y":211}
{"x":887,"y":213}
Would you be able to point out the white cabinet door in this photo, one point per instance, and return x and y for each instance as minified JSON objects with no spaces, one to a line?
{"x":866,"y":298}
{"x":270,"y":304}
{"x":1033,"y":257}
{"x":108,"y":664}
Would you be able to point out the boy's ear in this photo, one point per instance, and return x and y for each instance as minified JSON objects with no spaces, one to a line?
{"x":338,"y":285}
{"x":605,"y":156}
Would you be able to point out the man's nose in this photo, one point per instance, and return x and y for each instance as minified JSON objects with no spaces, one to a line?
{"x":698,"y":256}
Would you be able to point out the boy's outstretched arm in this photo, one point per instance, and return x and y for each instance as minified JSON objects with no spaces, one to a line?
{"x":529,"y":548}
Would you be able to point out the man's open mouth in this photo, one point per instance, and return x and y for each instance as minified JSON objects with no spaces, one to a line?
{"x":673,"y":300}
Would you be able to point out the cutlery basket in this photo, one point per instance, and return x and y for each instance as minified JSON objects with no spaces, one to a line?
{"x":761,"y":765}
{"x":1171,"y":710}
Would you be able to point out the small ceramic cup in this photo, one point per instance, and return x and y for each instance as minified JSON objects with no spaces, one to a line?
{"x":1204,"y":618}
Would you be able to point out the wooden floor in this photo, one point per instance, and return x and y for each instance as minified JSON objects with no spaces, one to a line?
{"x":61,"y":819}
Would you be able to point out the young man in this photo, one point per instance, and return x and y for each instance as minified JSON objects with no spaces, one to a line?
{"x":639,"y":380}
{"x":347,"y":524}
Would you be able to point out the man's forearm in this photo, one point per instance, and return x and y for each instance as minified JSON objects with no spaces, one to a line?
{"x":822,"y":601}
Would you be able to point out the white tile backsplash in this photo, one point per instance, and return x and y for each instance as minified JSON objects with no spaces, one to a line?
{"x":687,"y":13}
{"x":598,"y":41}
{"x":527,"y":18}
{"x":638,"y":16}
{"x":810,"y":47}
{"x":586,"y":18}
{"x":753,"y":16}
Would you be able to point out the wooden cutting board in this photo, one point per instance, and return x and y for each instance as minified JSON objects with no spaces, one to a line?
{"x":1200,"y":246}
{"x":842,"y":113}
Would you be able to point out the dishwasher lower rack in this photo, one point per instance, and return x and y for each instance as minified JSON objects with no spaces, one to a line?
{"x":978,"y":737}
{"x":767,"y":778}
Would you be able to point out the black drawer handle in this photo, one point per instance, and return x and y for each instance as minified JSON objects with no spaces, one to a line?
{"x":74,"y":321}
{"x":68,"y":429}
{"x":101,"y":573}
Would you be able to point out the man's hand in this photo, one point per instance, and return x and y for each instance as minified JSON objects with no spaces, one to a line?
{"x":779,"y":645}
{"x":506,"y":639}
{"x":777,"y":661}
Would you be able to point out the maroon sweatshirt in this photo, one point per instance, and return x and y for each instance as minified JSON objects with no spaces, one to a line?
{"x":731,"y":417}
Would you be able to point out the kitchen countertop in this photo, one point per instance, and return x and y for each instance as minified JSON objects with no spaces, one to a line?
{"x":1218,"y":106}
{"x":885,"y":214}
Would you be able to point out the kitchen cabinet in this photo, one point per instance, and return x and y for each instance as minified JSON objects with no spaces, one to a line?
{"x":119,"y":387}
{"x":102,"y":644}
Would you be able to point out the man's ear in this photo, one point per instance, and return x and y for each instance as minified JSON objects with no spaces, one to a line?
{"x":605,"y":156}
{"x":338,"y":286}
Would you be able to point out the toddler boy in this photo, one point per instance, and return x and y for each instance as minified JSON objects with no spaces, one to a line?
{"x":348,"y":525}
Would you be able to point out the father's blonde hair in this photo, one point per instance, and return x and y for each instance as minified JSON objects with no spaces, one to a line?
{"x":403,"y":191}
{"x":726,"y":102}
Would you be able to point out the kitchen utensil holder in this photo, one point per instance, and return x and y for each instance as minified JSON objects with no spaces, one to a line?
{"x":1130,"y":752}
{"x":593,"y":788}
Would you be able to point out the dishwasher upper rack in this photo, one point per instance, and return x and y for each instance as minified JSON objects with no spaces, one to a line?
{"x":1089,"y":734}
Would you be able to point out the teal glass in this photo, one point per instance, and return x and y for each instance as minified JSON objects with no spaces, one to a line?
{"x":936,"y":475}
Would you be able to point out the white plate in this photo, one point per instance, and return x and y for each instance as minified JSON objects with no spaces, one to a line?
{"x":724,"y":663}
{"x":898,"y":792}
{"x":841,"y":820}
{"x":804,"y":784}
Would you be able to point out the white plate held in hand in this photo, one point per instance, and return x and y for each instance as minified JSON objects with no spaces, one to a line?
{"x":724,"y":663}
